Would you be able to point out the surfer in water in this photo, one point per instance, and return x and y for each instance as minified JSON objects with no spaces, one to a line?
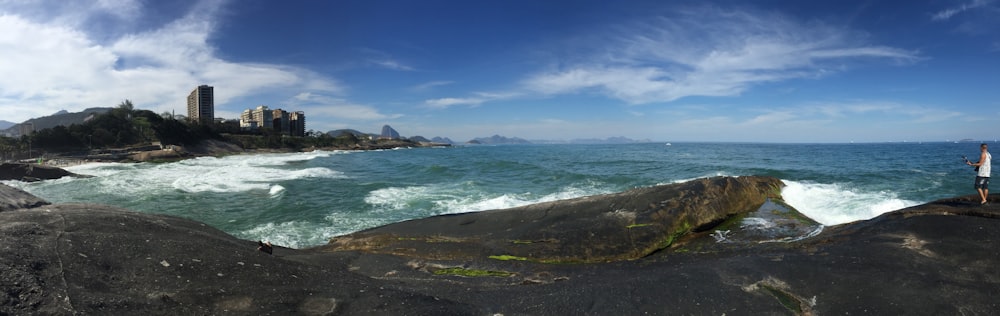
{"x":983,"y":174}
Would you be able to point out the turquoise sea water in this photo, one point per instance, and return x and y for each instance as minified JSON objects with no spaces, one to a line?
{"x":303,"y":199}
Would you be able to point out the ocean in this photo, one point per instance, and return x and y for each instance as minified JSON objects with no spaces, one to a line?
{"x":302,"y":199}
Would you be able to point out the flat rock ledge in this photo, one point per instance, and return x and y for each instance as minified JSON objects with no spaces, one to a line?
{"x":603,"y":228}
{"x":28,"y":172}
{"x":938,"y":258}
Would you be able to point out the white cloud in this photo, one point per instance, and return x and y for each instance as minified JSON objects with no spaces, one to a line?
{"x":448,"y":102}
{"x":770,"y":118}
{"x":54,"y":63}
{"x":950,"y":12}
{"x":431,"y":85}
{"x":392,"y":64}
{"x":678,"y":56}
{"x":480,"y":98}
{"x":384,"y":60}
{"x":861,"y":110}
{"x":316,"y":105}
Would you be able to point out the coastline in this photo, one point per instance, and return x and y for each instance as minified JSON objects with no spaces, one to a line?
{"x":211,"y":147}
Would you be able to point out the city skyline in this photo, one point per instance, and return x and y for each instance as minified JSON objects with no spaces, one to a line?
{"x":759,"y":71}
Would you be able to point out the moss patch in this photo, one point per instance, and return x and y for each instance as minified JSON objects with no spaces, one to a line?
{"x":508,"y":258}
{"x":472,"y":272}
{"x":638,"y":225}
{"x":679,"y":231}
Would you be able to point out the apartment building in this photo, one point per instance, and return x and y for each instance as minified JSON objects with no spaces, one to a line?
{"x":201,"y":105}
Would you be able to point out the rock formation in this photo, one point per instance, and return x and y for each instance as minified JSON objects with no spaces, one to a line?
{"x":622,"y":226}
{"x":690,"y":248}
{"x":14,"y":199}
{"x":32,"y":172}
{"x":388,"y":133}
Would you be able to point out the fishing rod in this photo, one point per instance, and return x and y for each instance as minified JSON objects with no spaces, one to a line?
{"x":969,"y":162}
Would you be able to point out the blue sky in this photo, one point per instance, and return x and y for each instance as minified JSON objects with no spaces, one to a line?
{"x":758,"y":71}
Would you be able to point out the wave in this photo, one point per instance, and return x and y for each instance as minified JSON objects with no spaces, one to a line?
{"x":832,"y":204}
{"x":276,"y":190}
{"x":464,"y":197}
{"x":293,"y":234}
{"x":237,"y":173}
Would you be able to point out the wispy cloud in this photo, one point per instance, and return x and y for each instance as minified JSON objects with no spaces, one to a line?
{"x":886,"y":111}
{"x":337,"y":108}
{"x":391,"y":64}
{"x":430,"y":85}
{"x":676,"y":56}
{"x":443,"y":103}
{"x":946,"y":14}
{"x":64,"y":64}
{"x":479,"y":98}
{"x":382,"y":59}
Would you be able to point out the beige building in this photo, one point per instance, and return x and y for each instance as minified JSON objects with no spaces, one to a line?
{"x":257,"y":118}
{"x":247,"y":122}
{"x":281,"y":121}
{"x":201,"y":105}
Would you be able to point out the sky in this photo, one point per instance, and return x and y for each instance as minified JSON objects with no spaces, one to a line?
{"x":739,"y":71}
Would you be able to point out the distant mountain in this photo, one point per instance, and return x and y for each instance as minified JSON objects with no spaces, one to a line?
{"x":609,"y":140}
{"x":63,"y":118}
{"x":437,"y":140}
{"x":497,"y":139}
{"x":388,"y":133}
{"x":341,"y":132}
{"x":444,"y":140}
{"x":6,"y":124}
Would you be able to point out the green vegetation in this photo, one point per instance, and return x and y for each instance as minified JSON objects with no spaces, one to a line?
{"x":125,"y":126}
{"x":638,"y":225}
{"x":508,"y":257}
{"x":682,"y":229}
{"x":472,"y":272}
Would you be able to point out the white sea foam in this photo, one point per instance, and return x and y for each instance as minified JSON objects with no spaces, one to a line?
{"x":832,"y":204}
{"x":301,"y":233}
{"x":276,"y":190}
{"x":237,"y":173}
{"x":294,"y":234}
{"x":710,"y":175}
{"x":449,"y":199}
{"x":756,"y":223}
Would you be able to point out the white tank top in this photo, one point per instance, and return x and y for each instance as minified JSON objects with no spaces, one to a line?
{"x":984,"y":170}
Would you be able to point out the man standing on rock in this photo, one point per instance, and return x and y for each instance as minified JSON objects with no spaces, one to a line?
{"x":983,"y":177}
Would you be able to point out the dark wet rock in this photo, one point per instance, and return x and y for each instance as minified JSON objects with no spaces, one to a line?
{"x":621,"y":226}
{"x":934,"y":259}
{"x":32,"y":172}
{"x":13,"y":199}
{"x":92,"y":259}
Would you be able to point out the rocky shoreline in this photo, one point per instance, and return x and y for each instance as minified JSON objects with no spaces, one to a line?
{"x":689,"y":248}
{"x":208,"y":147}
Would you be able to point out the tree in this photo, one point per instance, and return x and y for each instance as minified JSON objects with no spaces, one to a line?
{"x":125,"y":109}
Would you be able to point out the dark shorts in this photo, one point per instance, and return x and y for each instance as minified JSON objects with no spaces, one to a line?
{"x":982,"y":183}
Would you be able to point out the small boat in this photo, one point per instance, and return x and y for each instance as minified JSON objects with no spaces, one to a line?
{"x":668,"y":144}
